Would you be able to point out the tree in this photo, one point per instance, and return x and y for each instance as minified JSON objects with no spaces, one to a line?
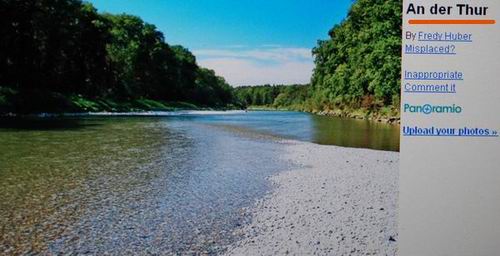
{"x":362,"y":57}
{"x":50,"y":48}
{"x":55,"y":51}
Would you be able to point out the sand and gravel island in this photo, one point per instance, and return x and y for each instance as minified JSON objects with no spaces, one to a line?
{"x":339,"y":201}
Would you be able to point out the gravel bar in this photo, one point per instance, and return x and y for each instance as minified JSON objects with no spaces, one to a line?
{"x":339,"y":201}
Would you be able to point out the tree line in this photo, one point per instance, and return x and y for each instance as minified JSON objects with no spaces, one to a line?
{"x":273,"y":96}
{"x":360,"y":65}
{"x":357,"y":68}
{"x":63,"y":54}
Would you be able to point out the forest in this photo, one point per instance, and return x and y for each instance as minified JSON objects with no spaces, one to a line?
{"x":62,"y":55}
{"x":357,"y":70}
{"x":290,"y":97}
{"x":360,"y":65}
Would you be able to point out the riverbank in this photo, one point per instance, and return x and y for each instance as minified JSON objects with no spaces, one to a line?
{"x":342,"y":201}
{"x":82,"y":106}
{"x":389,"y":115}
{"x":110,"y":105}
{"x":182,"y":183}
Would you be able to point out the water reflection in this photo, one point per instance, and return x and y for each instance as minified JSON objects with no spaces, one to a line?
{"x":41,"y":124}
{"x":355,"y":133}
{"x":128,"y":185}
{"x":325,"y":130}
{"x":155,"y":185}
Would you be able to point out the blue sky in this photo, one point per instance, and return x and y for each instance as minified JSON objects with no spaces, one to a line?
{"x":246,"y":41}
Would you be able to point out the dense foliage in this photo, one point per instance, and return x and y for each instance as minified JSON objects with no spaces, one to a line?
{"x":357,"y":70}
{"x":60,"y":54}
{"x":359,"y":65}
{"x":276,"y":96}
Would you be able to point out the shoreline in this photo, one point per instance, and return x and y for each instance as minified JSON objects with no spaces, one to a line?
{"x":145,"y":113}
{"x":172,"y":112}
{"x":341,"y":201}
{"x":374,"y":116}
{"x":81,"y":107}
{"x":359,"y":114}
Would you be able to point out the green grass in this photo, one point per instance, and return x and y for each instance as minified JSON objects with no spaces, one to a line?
{"x":57,"y":103}
{"x":80,"y":104}
{"x":385,"y":113}
{"x":85,"y":105}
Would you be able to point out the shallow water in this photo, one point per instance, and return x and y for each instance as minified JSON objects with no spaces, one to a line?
{"x":177,"y":184}
{"x":325,"y":130}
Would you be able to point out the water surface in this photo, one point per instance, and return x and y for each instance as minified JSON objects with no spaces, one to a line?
{"x":161,"y":185}
{"x":325,"y":130}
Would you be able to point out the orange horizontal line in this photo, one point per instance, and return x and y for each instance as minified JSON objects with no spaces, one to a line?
{"x":452,"y":22}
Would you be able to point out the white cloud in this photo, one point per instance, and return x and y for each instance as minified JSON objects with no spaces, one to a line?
{"x":259,"y":66}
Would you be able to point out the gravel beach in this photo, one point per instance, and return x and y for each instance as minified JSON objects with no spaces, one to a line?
{"x":340,"y":201}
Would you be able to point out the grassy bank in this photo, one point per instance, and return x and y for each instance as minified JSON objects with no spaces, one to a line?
{"x":108,"y":105}
{"x":304,"y":98}
{"x":387,"y":114}
{"x":78,"y":104}
{"x":366,"y":109}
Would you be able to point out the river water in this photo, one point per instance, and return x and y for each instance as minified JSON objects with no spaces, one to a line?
{"x":173,"y":184}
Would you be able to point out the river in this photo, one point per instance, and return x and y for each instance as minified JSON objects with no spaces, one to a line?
{"x":170,"y":184}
